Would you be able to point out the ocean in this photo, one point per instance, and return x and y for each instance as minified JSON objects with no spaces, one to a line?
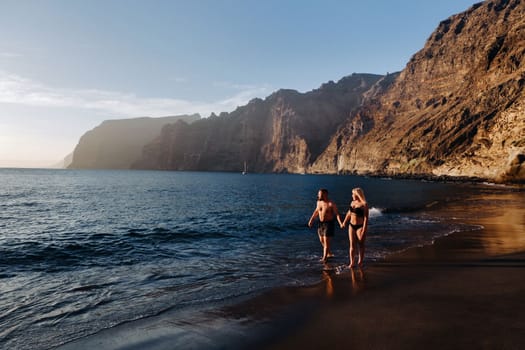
{"x":86,"y":250}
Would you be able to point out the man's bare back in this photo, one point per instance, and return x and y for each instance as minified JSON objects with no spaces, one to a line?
{"x":326,"y":209}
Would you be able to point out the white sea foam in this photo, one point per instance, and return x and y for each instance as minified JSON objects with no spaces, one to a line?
{"x":375,"y":212}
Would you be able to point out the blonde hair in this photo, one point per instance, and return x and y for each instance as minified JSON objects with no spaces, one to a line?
{"x":360,"y":193}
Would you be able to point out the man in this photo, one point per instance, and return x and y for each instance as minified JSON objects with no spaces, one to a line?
{"x":327,"y":211}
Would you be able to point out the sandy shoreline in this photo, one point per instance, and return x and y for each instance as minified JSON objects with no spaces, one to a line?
{"x":466,"y":291}
{"x":470,"y":305}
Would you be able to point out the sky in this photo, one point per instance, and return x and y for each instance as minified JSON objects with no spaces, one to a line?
{"x":68,"y":65}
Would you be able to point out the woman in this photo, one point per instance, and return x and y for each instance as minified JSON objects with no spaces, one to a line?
{"x":357,"y":215}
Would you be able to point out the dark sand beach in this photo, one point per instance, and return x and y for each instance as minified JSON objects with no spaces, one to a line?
{"x":466,"y":291}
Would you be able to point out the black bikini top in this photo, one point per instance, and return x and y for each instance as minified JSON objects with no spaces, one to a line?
{"x":358,"y":211}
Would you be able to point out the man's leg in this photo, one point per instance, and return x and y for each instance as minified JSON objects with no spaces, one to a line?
{"x":325,"y":248}
{"x":328,"y":247}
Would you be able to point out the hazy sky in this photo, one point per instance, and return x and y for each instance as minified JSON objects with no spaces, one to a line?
{"x":67,"y":65}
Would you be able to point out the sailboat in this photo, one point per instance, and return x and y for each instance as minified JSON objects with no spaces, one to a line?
{"x":245,"y":171}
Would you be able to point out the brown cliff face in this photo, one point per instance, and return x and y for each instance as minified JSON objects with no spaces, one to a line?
{"x":283,"y":133}
{"x":457,"y":109}
{"x":116,"y":144}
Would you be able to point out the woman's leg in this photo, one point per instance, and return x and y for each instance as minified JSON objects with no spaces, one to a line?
{"x":361,"y":239}
{"x":352,"y":239}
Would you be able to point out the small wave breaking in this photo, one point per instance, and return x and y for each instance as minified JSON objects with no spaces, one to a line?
{"x":375,"y":212}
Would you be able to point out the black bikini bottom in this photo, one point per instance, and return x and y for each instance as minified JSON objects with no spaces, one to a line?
{"x":356,"y":226}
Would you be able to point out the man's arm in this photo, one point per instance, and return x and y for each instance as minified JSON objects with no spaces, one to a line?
{"x":347,"y":218}
{"x":336,"y":212}
{"x":314,"y":215}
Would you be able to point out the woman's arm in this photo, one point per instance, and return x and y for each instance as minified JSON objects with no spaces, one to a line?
{"x":347,"y":217}
{"x":365,"y":221}
{"x":336,"y":212}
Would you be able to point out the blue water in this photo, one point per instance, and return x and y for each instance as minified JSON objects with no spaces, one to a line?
{"x":81,"y":251}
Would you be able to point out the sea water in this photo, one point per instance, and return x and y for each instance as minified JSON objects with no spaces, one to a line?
{"x":82,"y":251}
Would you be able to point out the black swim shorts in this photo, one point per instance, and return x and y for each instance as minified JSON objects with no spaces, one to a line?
{"x":326,"y":228}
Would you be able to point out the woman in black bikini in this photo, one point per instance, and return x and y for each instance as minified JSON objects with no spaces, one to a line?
{"x":357,"y":215}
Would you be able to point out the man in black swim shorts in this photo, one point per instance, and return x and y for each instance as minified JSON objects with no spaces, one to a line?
{"x":326,"y":228}
{"x":327,"y":211}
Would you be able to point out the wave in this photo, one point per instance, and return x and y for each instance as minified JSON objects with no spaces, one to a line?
{"x":375,"y":212}
{"x":165,"y":235}
{"x":53,"y":257}
{"x":101,"y":249}
{"x":409,"y":208}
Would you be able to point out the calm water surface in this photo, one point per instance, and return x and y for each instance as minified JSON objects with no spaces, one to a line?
{"x":81,"y":251}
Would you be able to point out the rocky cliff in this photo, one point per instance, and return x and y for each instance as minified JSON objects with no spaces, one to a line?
{"x":285,"y":132}
{"x":457,"y":109}
{"x":116,"y":144}
{"x":64,"y":163}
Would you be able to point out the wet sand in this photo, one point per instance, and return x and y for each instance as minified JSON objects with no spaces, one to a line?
{"x":466,"y":291}
{"x":470,"y":305}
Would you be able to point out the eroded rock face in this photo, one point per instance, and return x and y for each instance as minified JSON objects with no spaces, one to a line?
{"x":116,"y":144}
{"x":457,"y":109}
{"x":283,"y":133}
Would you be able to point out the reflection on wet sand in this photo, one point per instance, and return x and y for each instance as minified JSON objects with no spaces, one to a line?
{"x":502,"y":217}
{"x":340,"y":285}
{"x":329,"y":284}
{"x":505,"y":233}
{"x":358,"y":280}
{"x":497,"y":222}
